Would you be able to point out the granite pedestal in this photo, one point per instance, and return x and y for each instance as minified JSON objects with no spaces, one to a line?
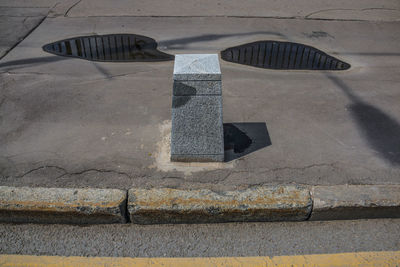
{"x":197,"y":130}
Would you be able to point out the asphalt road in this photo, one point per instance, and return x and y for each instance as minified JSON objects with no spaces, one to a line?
{"x":206,"y":240}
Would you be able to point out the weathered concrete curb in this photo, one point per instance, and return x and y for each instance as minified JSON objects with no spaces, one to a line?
{"x":268,"y":203}
{"x":164,"y":205}
{"x":343,"y":202}
{"x":62,"y":205}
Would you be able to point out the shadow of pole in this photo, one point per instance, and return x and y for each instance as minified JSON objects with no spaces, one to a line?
{"x":381,"y":131}
{"x":22,"y":63}
{"x":180,"y":43}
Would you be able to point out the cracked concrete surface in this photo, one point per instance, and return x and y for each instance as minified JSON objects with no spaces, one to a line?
{"x":304,"y":9}
{"x":356,"y":14}
{"x":74,"y":123}
{"x":19,"y":18}
{"x":66,"y":173}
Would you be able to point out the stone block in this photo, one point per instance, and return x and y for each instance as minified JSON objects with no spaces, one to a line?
{"x":350,"y":202}
{"x":257,"y":204}
{"x":197,"y":130}
{"x":62,"y":205}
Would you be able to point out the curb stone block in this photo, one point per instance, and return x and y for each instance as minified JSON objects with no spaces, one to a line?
{"x":62,"y":205}
{"x":272,"y":203}
{"x":352,"y":202}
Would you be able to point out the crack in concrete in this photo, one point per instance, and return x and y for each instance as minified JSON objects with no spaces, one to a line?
{"x":39,"y":168}
{"x":67,"y":173}
{"x":379,"y":8}
{"x":274,"y":170}
{"x":55,"y":5}
{"x":69,"y":9}
{"x":347,"y":9}
{"x":329,"y":9}
{"x":226,"y":177}
{"x":94,"y":170}
{"x":299,"y":168}
{"x":224,"y":16}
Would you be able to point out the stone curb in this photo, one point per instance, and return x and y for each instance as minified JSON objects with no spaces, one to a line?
{"x":62,"y":205}
{"x":267,"y":203}
{"x":350,"y":202}
{"x":165,"y":205}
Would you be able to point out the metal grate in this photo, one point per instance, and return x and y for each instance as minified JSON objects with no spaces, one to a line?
{"x":112,"y":48}
{"x":282,"y":55}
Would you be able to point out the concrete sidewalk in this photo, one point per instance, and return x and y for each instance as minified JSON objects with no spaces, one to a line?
{"x":75,"y":123}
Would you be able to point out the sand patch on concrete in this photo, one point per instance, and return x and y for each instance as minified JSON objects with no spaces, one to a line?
{"x":163,"y":153}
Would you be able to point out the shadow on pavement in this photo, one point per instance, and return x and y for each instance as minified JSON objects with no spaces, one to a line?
{"x":180,"y":43}
{"x":241,"y":139}
{"x":381,"y":131}
{"x":21,"y":63}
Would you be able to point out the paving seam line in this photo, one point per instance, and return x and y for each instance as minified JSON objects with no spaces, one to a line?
{"x":166,"y":205}
{"x":23,"y":38}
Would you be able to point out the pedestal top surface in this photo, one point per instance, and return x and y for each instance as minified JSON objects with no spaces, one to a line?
{"x":197,"y":67}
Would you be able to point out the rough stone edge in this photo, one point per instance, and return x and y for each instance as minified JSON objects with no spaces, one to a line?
{"x":339,"y":202}
{"x":198,"y":157}
{"x":351,"y":202}
{"x":62,"y":205}
{"x":258,"y":204}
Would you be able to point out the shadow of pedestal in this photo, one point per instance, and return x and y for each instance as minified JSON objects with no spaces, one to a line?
{"x":244,"y":138}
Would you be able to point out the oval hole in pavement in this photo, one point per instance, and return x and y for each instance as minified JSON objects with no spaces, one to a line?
{"x":282,"y":55}
{"x":109,"y":48}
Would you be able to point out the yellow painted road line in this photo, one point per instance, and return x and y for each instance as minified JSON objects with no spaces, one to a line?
{"x":383,"y":258}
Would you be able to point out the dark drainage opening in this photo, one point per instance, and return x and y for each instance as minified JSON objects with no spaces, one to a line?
{"x":110,"y":48}
{"x":282,"y":55}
